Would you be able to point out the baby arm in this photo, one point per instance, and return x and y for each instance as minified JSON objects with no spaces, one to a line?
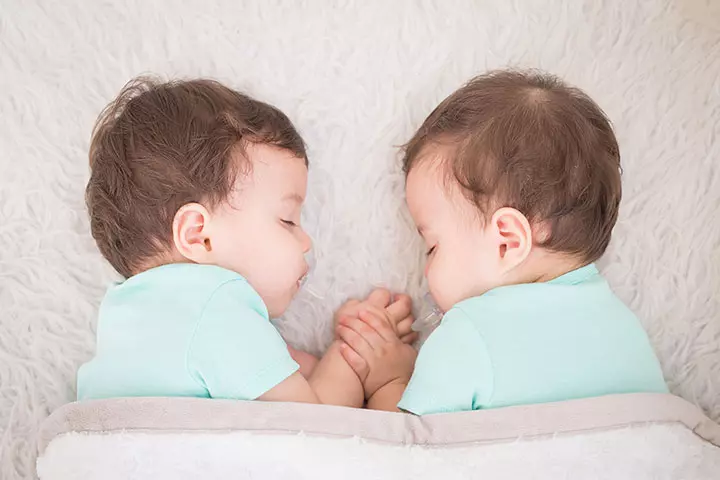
{"x":333,"y":380}
{"x":398,"y":309}
{"x":306,"y":361}
{"x":380,"y":359}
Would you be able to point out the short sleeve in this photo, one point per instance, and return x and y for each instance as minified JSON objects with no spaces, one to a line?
{"x":453,"y":371}
{"x":235,"y":352}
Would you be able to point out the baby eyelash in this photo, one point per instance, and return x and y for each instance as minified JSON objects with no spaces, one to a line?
{"x":289,"y":223}
{"x":429,"y":252}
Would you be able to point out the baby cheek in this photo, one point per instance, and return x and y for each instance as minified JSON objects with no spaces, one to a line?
{"x":431,"y":274}
{"x":441,"y":282}
{"x":435,"y":286}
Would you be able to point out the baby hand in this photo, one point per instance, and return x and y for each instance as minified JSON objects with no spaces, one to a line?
{"x":375,"y":352}
{"x":397,"y":310}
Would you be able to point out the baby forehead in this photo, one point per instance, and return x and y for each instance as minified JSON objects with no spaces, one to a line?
{"x":267,"y":163}
{"x":268,"y":175}
{"x":430,"y":191}
{"x":424,"y":176}
{"x":433,"y":172}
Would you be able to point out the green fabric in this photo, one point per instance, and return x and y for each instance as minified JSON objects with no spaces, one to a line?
{"x":185,"y":330}
{"x":533,"y":343}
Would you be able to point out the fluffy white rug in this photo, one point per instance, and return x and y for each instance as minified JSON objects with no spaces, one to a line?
{"x":357,"y":78}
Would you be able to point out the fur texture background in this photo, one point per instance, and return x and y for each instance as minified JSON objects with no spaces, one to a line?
{"x":357,"y":78}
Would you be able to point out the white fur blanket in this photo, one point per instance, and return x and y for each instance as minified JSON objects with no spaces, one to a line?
{"x":639,"y":436}
{"x":357,"y":77}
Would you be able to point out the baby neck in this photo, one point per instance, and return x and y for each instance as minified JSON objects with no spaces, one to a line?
{"x":543,"y":266}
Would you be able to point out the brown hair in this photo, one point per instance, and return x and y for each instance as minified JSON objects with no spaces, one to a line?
{"x":525,"y":139}
{"x":160,"y":145}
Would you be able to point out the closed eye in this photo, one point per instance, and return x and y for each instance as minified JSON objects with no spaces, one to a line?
{"x":289,"y":223}
{"x":430,"y":252}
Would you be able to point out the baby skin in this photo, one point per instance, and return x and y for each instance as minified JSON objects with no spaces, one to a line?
{"x":398,"y":312}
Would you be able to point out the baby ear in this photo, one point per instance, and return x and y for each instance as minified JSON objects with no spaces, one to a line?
{"x":513,"y":235}
{"x":190,"y":232}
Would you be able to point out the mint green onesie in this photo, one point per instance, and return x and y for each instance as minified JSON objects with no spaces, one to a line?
{"x":185,"y":330}
{"x":533,"y":343}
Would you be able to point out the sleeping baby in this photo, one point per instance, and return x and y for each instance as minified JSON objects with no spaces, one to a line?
{"x":195,"y":197}
{"x":513,"y":182}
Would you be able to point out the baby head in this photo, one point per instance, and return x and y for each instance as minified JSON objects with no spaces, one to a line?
{"x":514,"y":178}
{"x":192,"y":171}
